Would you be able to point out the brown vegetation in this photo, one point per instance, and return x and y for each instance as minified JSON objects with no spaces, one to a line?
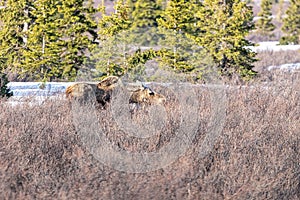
{"x":256,"y":155}
{"x":273,"y":58}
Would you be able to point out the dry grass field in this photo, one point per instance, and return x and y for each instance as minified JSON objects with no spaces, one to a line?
{"x":256,"y":155}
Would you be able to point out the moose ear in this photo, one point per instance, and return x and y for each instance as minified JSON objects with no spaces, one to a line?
{"x":150,"y":92}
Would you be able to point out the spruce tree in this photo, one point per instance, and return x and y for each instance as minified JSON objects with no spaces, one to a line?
{"x":291,"y":24}
{"x":110,"y":25}
{"x":264,"y":24}
{"x":179,"y":15}
{"x":145,"y":14}
{"x":177,"y":22}
{"x":122,"y":33}
{"x":78,"y":30}
{"x":110,"y":56}
{"x":13,"y":33}
{"x":225,"y":26}
{"x":4,"y":90}
{"x":144,"y":22}
{"x":54,"y":37}
{"x":44,"y":45}
{"x":280,"y":10}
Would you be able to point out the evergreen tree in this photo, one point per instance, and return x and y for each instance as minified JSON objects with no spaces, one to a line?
{"x":13,"y":32}
{"x":264,"y":24}
{"x":44,"y":45}
{"x":178,"y":20}
{"x":131,"y":4}
{"x":280,"y":10}
{"x":4,"y":90}
{"x":225,"y":25}
{"x":291,"y":24}
{"x":119,"y":43}
{"x":56,"y":36}
{"x":144,"y":22}
{"x":145,"y":14}
{"x":110,"y":56}
{"x":113,"y":24}
{"x":179,"y":15}
{"x":78,"y":29}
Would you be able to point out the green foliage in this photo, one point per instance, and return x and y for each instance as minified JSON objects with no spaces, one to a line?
{"x":141,"y":57}
{"x":225,"y":26}
{"x":288,"y":40}
{"x":54,"y":37}
{"x":120,"y":33}
{"x":264,"y":24}
{"x":280,"y":10}
{"x":179,"y":52}
{"x":114,"y":57}
{"x":144,"y":22}
{"x":13,"y":33}
{"x":111,"y":25}
{"x":179,"y":15}
{"x":111,"y":54}
{"x":55,"y":40}
{"x":291,"y":24}
{"x":145,"y":14}
{"x":4,"y":91}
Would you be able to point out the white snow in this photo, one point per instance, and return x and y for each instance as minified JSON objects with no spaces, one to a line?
{"x":289,"y":67}
{"x":273,"y":46}
{"x":31,"y":93}
{"x":35,"y":88}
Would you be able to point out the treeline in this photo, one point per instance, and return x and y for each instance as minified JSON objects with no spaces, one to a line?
{"x":290,"y":20}
{"x":58,"y":40}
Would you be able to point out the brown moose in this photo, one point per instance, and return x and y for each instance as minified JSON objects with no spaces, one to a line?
{"x":102,"y":90}
{"x":140,"y":95}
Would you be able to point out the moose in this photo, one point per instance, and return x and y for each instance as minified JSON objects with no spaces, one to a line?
{"x":140,"y":94}
{"x":145,"y":95}
{"x":102,"y":90}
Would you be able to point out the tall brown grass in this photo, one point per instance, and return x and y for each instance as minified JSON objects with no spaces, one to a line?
{"x":255,"y":157}
{"x":273,"y":58}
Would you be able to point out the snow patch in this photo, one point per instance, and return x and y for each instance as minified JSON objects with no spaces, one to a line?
{"x":290,"y":67}
{"x":35,"y":93}
{"x":37,"y":88}
{"x":273,"y":46}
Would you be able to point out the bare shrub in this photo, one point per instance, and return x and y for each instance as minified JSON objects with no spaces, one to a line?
{"x":256,"y":157}
{"x":267,"y":59}
{"x":273,"y":58}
